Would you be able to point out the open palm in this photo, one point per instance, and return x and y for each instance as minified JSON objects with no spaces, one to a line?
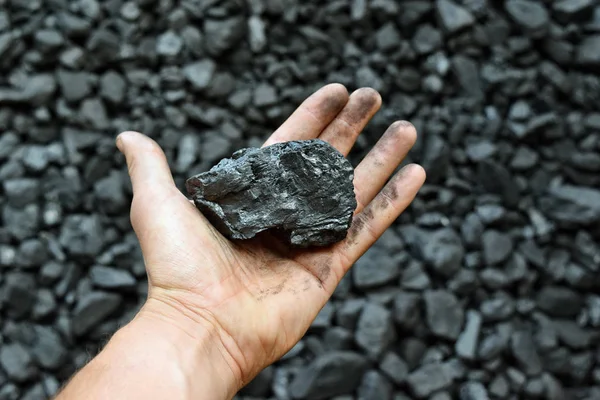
{"x":259,"y":295}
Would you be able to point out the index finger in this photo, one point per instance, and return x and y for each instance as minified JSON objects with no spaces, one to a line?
{"x":312,"y":116}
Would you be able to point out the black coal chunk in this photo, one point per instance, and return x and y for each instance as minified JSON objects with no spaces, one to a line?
{"x":302,"y":190}
{"x":331,"y":374}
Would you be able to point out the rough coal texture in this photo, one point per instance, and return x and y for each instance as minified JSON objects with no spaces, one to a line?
{"x":486,"y":287}
{"x":301,"y":190}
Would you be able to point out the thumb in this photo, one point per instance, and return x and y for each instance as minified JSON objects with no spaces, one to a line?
{"x":146,"y":163}
{"x":148,"y":169}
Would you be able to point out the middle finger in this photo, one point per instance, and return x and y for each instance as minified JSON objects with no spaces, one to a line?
{"x":345,"y":128}
{"x":377,"y":166}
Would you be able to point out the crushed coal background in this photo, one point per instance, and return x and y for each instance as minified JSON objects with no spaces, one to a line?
{"x":486,"y":288}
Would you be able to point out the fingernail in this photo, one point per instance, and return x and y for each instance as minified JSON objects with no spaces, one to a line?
{"x":119,"y":142}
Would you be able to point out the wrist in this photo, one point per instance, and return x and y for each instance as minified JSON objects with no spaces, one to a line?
{"x":191,"y":349}
{"x":173,"y":355}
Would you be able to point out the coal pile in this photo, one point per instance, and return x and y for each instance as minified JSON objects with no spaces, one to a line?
{"x":488,"y":287}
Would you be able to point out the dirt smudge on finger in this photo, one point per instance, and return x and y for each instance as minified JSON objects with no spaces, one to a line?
{"x":358,"y":224}
{"x":368,"y":100}
{"x":331,"y":105}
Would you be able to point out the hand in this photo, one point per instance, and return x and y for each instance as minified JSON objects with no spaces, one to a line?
{"x":256,"y":298}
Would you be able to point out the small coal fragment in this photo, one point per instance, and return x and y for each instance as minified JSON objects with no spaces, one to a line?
{"x":375,"y":386}
{"x":473,"y":391}
{"x":466,"y":345}
{"x":588,"y":52}
{"x":48,"y":350}
{"x":331,"y":374}
{"x":16,"y":361}
{"x":394,"y":367}
{"x":111,"y":278}
{"x":524,"y":351}
{"x":559,"y":301}
{"x":444,"y":314}
{"x":301,"y":190}
{"x":428,"y":379}
{"x":93,"y":309}
{"x":375,"y":330}
{"x":531,"y":16}
{"x":453,"y":17}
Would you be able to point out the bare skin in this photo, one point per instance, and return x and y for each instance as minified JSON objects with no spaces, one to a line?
{"x":241,"y":305}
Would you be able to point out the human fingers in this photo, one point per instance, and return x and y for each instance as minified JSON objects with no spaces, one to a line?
{"x":312,"y":116}
{"x":379,"y":214}
{"x":377,"y":166}
{"x":345,"y":128}
{"x":148,"y":169}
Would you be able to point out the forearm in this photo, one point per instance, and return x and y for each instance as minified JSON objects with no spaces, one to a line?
{"x":152,"y":358}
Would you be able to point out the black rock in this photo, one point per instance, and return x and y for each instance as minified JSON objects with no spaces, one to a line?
{"x":92,"y":309}
{"x":74,"y":86}
{"x":112,"y":278}
{"x":473,"y":391}
{"x":365,"y":76}
{"x":200,"y":73}
{"x":499,"y":387}
{"x":415,"y":277}
{"x":338,"y":338}
{"x":588,"y":51}
{"x":82,"y":235}
{"x":468,"y":341}
{"x":48,"y":349}
{"x":223,"y":34}
{"x":256,"y":35}
{"x":387,"y":37}
{"x":531,"y":16}
{"x":36,"y":90}
{"x":261,"y":384}
{"x":375,"y":330}
{"x":427,"y":39}
{"x":444,"y":314}
{"x":10,"y":391}
{"x":571,"y":334}
{"x":495,"y":342}
{"x":524,"y":350}
{"x":32,"y":253}
{"x":573,"y":204}
{"x":496,"y":179}
{"x":36,"y":392}
{"x":443,"y":251}
{"x":18,"y":294}
{"x":21,"y":191}
{"x":559,"y":301}
{"x":374,"y":386}
{"x":287,"y":188}
{"x":45,"y":304}
{"x":347,"y":315}
{"x":394,"y":367}
{"x":566,"y":11}
{"x":103,"y":46}
{"x":376,"y":267}
{"x":534,"y":388}
{"x":497,"y":247}
{"x":169,"y":44}
{"x":481,"y":150}
{"x":112,"y":87}
{"x":453,"y":17}
{"x":324,"y":317}
{"x":50,"y":272}
{"x":17,"y":362}
{"x":498,"y":307}
{"x":264,"y":95}
{"x":429,"y":379}
{"x":407,"y":310}
{"x":331,"y":374}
